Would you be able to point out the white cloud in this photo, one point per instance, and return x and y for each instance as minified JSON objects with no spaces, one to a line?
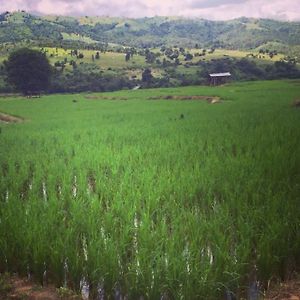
{"x":209,"y":9}
{"x":212,"y":3}
{"x":276,"y":9}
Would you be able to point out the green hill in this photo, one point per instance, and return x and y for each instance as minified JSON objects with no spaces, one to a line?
{"x":89,"y":53}
{"x":242,"y":33}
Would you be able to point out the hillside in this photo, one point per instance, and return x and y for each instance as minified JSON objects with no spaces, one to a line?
{"x":242,"y":33}
{"x":105,"y":54}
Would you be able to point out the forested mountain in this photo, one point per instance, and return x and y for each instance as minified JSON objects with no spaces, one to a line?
{"x":242,"y":33}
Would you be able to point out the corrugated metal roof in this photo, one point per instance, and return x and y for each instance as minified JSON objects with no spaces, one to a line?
{"x":220,"y":74}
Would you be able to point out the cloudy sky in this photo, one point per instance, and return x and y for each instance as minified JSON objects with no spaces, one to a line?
{"x":209,"y":9}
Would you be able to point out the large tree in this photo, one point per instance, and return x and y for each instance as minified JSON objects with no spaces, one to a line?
{"x":147,"y":76}
{"x":28,"y":70}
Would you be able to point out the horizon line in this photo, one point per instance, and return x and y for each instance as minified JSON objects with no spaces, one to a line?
{"x":39,"y":14}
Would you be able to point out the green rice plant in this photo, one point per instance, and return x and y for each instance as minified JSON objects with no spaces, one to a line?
{"x":133,"y":199}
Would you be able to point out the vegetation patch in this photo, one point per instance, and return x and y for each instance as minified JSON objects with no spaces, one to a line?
{"x":9,"y":95}
{"x":296,"y":103}
{"x":5,"y":286}
{"x":209,"y":99}
{"x":105,"y":98}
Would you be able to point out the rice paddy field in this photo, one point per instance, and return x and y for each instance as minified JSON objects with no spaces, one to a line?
{"x":158,"y":194}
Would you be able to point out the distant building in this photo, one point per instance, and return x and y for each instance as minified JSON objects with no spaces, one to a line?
{"x":219,"y":78}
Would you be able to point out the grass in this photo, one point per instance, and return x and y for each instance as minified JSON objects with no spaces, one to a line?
{"x":107,"y":60}
{"x":133,"y":197}
{"x":220,"y":53}
{"x":77,"y":37}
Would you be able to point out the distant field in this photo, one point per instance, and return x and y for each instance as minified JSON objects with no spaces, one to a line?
{"x":149,"y":193}
{"x":219,"y":53}
{"x":117,"y":60}
{"x":107,"y":59}
{"x":76,"y":37}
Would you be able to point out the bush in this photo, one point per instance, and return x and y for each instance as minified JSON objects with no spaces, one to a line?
{"x":28,"y":70}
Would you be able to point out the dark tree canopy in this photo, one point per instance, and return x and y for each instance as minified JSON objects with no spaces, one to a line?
{"x":28,"y":70}
{"x":127,"y":56}
{"x":147,"y":76}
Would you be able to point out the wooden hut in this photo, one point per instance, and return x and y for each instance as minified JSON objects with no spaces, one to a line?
{"x":219,"y":78}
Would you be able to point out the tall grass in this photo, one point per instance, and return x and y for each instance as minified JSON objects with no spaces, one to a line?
{"x":134,"y":199}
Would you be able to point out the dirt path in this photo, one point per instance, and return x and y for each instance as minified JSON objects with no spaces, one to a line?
{"x":285,"y":291}
{"x":14,"y":287}
{"x":5,"y":118}
{"x":209,"y":99}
